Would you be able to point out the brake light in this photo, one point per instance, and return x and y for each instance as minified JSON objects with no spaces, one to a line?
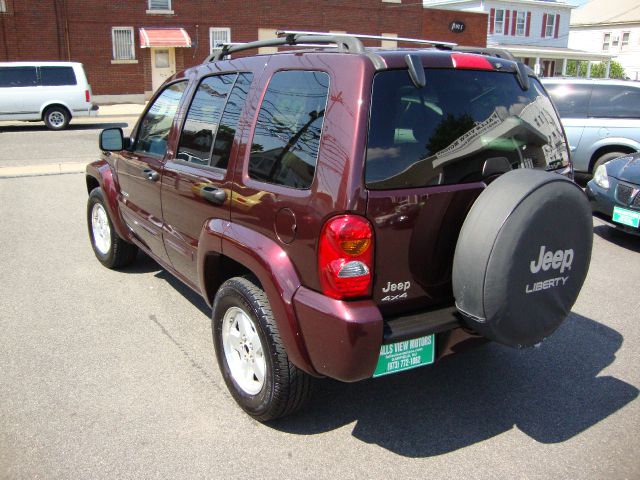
{"x":87,"y":96}
{"x":470,"y":61}
{"x":345,"y":257}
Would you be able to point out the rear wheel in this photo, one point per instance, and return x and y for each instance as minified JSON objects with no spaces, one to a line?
{"x":111,"y":250}
{"x":602,"y":159}
{"x":250,"y":353}
{"x":56,"y":118}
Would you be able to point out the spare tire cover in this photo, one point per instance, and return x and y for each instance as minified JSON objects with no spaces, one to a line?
{"x":522,"y":256}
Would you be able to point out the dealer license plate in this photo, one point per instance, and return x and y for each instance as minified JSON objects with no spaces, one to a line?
{"x":400,"y":356}
{"x":626,"y":217}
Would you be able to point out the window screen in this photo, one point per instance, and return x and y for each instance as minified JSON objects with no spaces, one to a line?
{"x":615,"y":101}
{"x":55,"y":76}
{"x":123,"y":48}
{"x":156,"y":124}
{"x":287,"y":135}
{"x":18,"y":77}
{"x":202,"y":120}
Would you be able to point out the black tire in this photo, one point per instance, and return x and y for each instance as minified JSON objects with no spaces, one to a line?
{"x":112,"y":251}
{"x":522,"y":256}
{"x":602,"y":159}
{"x":56,"y":118}
{"x":285,"y":388}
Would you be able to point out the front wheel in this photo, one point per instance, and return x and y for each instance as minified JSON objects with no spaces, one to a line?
{"x":111,"y":250}
{"x":251,"y":355}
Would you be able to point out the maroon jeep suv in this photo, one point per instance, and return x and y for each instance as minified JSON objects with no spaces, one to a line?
{"x":348,"y":212}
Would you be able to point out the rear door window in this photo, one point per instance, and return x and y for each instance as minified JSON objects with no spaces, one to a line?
{"x":18,"y":77}
{"x":286,"y":141}
{"x":615,"y":101}
{"x":449,"y":130}
{"x":57,"y":76}
{"x":572,"y":101}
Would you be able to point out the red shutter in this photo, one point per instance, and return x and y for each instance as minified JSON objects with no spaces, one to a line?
{"x":555,"y":35}
{"x":492,"y":18}
{"x":528,"y":24}
{"x":513,"y":22}
{"x":544,"y":24}
{"x":506,"y":22}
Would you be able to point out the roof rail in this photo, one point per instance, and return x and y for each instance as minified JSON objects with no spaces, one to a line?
{"x":435,"y":43}
{"x":348,"y":43}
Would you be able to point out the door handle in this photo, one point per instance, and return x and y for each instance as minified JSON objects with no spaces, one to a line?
{"x":151,"y":175}
{"x":214,"y":195}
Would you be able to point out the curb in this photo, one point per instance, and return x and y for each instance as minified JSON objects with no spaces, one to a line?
{"x":41,"y":170}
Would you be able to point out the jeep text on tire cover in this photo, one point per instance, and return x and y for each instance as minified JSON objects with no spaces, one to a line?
{"x":336,"y":238}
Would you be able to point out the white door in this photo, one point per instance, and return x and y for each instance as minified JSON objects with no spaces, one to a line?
{"x":163,"y":65}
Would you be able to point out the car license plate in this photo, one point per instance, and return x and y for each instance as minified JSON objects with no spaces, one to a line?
{"x":400,"y":356}
{"x":626,"y":217}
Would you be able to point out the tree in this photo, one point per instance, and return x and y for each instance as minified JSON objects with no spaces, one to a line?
{"x":598,"y":70}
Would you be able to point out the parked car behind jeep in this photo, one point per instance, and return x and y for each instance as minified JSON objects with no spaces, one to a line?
{"x":601,"y":118}
{"x":349,"y":213}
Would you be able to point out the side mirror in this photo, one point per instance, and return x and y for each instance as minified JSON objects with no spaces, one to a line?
{"x":112,"y":140}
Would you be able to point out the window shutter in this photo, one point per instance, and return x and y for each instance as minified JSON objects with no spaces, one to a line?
{"x":506,"y":22}
{"x":514,"y":15}
{"x":555,"y":35}
{"x":544,"y":24}
{"x":492,"y":18}
{"x":528,"y":25}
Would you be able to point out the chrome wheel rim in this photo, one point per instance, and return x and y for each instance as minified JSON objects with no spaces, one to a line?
{"x":56,"y":119}
{"x":243,"y":350}
{"x":100,"y":229}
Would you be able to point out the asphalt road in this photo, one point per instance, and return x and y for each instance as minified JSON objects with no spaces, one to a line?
{"x":108,"y":374}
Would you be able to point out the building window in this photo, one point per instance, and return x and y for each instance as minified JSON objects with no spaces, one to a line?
{"x":3,"y":6}
{"x":551,"y":25}
{"x":615,"y":40}
{"x":123,"y":47}
{"x":625,"y":40}
{"x":159,"y":6}
{"x":521,"y":21}
{"x":606,"y":42}
{"x":498,"y":22}
{"x":218,"y":36}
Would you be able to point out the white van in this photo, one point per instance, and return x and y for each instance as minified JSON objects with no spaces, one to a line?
{"x":53,"y":92}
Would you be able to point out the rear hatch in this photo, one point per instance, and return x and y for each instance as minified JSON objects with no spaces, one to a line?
{"x":430,"y":153}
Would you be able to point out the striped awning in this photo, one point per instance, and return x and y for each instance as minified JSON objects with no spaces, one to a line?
{"x":164,"y":37}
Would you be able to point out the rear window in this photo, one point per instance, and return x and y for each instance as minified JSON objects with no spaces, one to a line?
{"x":615,"y":101}
{"x":56,"y":76}
{"x":446,"y":132}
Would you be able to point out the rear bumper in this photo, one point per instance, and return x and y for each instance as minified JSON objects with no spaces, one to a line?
{"x":91,"y":111}
{"x":343,"y":339}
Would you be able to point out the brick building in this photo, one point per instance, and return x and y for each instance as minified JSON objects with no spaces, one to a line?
{"x":129,"y":47}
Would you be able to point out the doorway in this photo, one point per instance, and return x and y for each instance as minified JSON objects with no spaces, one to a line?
{"x":163,"y":65}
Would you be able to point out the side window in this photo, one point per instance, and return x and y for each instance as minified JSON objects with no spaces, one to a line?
{"x":55,"y":76}
{"x":229,"y":123}
{"x":153,"y":133}
{"x":286,"y":141}
{"x":615,"y":101}
{"x":572,"y":101}
{"x":18,"y":77}
{"x":202,"y":120}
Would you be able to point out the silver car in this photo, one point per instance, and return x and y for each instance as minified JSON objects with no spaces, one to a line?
{"x":601,"y":118}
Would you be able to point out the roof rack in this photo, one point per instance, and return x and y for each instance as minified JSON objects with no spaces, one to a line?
{"x":435,"y":43}
{"x":350,"y":42}
{"x":347,"y":43}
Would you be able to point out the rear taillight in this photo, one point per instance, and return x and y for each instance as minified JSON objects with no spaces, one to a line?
{"x":345,"y":257}
{"x":87,"y":96}
{"x":470,"y":61}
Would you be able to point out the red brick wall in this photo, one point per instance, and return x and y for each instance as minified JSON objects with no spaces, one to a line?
{"x":37,"y":30}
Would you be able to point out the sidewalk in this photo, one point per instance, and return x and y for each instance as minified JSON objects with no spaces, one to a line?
{"x":121,"y":109}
